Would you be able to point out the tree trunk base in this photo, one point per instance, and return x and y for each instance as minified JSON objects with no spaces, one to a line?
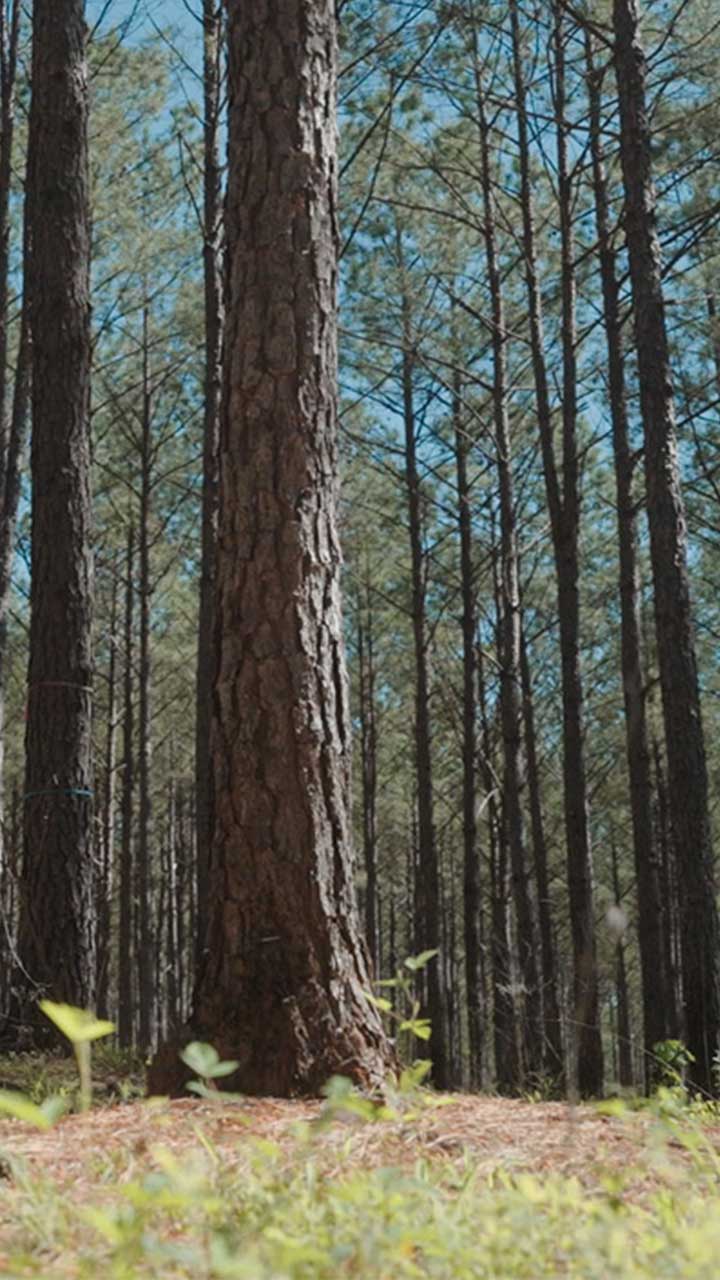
{"x":288,"y":1051}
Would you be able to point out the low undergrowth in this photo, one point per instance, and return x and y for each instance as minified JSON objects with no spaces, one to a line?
{"x":309,"y":1210}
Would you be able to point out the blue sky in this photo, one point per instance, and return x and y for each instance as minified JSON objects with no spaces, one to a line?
{"x":145,"y":13}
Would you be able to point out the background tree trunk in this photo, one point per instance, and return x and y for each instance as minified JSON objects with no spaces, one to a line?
{"x":212,"y":272}
{"x":56,"y":942}
{"x":564,"y":510}
{"x":654,"y":995}
{"x":684,"y":740}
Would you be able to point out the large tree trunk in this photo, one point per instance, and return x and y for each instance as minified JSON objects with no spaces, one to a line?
{"x":685,"y":745}
{"x":282,"y":985}
{"x":212,"y":254}
{"x":56,"y":933}
{"x":564,"y":511}
{"x":650,"y":933}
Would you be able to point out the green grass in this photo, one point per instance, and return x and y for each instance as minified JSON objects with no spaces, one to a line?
{"x":311,"y":1212}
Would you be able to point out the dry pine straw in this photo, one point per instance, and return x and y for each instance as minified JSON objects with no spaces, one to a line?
{"x":84,"y":1155}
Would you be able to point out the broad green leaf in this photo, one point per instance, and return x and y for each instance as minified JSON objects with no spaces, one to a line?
{"x":420,"y":1027}
{"x":200,"y":1058}
{"x":204,"y":1060}
{"x":379,"y":1002}
{"x":419,"y":962}
{"x":224,"y":1069}
{"x":77,"y":1025}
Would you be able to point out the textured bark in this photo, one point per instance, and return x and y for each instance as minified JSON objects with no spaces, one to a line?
{"x":564,"y":511}
{"x":282,"y":984}
{"x":650,"y":932}
{"x":212,"y":262}
{"x":56,"y":933}
{"x":687,"y":768}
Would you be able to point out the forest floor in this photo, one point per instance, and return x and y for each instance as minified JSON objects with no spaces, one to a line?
{"x":157,"y":1188}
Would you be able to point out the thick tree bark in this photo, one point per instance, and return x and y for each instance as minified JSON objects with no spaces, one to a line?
{"x":564,"y":511}
{"x":650,"y":932}
{"x":685,"y":745}
{"x":56,"y":942}
{"x":282,"y":986}
{"x":212,"y":264}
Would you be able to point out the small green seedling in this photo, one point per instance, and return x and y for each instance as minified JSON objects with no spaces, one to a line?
{"x":204,"y":1060}
{"x":80,"y":1027}
{"x":409,"y":1021}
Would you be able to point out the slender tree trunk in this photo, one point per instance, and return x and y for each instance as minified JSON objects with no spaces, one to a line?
{"x":428,"y":901}
{"x":650,"y":932}
{"x":126,"y":924}
{"x":143,"y":870}
{"x":368,"y":755}
{"x":471,"y":860}
{"x":668,"y":881}
{"x":107,"y":846}
{"x":282,"y":986}
{"x":564,"y":511}
{"x":212,"y":267}
{"x":13,"y":418}
{"x":624,"y":1033}
{"x":56,"y":942}
{"x":685,"y":744}
{"x":170,"y":921}
{"x":505,"y":1045}
{"x":510,"y":683}
{"x":554,"y":1060}
{"x":9,"y":37}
